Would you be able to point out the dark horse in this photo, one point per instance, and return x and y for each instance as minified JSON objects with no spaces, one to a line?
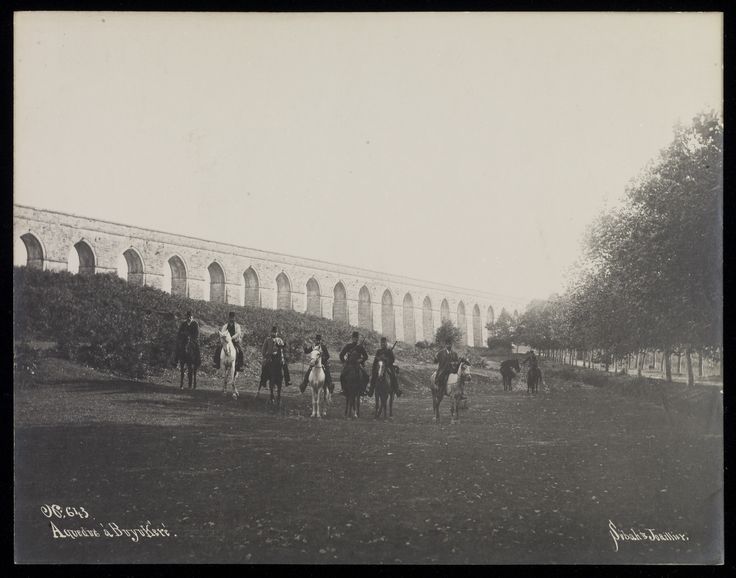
{"x":533,"y":379}
{"x":507,"y":372}
{"x":188,"y":356}
{"x":353,"y":382}
{"x":274,"y":373}
{"x":384,"y":391}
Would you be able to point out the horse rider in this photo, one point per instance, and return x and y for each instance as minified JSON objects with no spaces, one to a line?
{"x":325,"y":365}
{"x":448,"y":362}
{"x":236,"y":332}
{"x":273,"y":350}
{"x":387,"y":355}
{"x":357,"y":356}
{"x":187,"y":330}
{"x":531,"y":359}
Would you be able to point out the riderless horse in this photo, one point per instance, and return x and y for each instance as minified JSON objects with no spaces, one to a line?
{"x":275,"y":373}
{"x":507,"y":372}
{"x":228,"y":357}
{"x":317,"y":383}
{"x":533,"y":379}
{"x":453,"y":389}
{"x":383,"y":390}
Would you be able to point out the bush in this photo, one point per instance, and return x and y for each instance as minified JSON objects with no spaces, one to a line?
{"x":423,"y":345}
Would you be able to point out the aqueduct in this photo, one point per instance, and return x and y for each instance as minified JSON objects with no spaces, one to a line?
{"x":397,"y":307}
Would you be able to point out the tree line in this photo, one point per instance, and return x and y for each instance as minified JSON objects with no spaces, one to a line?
{"x":649,"y":285}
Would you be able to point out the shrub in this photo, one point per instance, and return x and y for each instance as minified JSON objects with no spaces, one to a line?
{"x":448,"y":332}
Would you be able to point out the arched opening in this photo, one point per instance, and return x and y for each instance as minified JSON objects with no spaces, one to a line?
{"x":175,"y":277}
{"x":410,"y":332}
{"x":217,"y":282}
{"x":388,"y":322}
{"x":365,"y":308}
{"x":427,"y":320}
{"x":462,"y":324}
{"x":30,"y":254}
{"x":340,"y":303}
{"x":477,"y":327}
{"x":252,"y":293}
{"x":81,"y":259}
{"x":490,"y":317}
{"x":314,"y":301}
{"x":130,"y":267}
{"x":444,"y":311}
{"x":283,"y":292}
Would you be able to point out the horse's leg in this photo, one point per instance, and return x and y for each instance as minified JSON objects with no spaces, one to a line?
{"x":195,"y":377}
{"x":181,"y":381}
{"x":314,"y":402}
{"x":391,"y":405}
{"x":235,"y":387}
{"x":190,"y":369}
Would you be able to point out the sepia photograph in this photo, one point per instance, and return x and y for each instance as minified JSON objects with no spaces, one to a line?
{"x":431,"y":288}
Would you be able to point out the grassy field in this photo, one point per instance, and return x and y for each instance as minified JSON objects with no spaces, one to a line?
{"x":521,"y":479}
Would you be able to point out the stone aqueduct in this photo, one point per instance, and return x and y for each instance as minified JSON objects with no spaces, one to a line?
{"x":398,"y":307}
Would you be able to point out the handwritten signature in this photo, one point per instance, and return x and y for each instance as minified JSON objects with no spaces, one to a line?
{"x":643,"y":535}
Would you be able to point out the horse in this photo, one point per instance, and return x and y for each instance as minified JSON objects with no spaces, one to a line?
{"x":188,"y":355}
{"x":352,"y":382}
{"x":275,"y":375}
{"x":533,"y":379}
{"x":317,"y":383}
{"x":383,"y":390}
{"x":454,"y":381}
{"x":228,"y":356}
{"x":507,"y":372}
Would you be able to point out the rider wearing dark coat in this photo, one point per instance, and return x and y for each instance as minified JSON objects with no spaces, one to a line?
{"x":273,"y":347}
{"x":188,"y":330}
{"x":447,"y":361}
{"x":356,"y":357}
{"x":235,"y":331}
{"x":531,"y":360}
{"x":387,"y":355}
{"x":325,"y":364}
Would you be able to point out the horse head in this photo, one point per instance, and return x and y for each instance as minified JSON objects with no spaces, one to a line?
{"x":315,"y":358}
{"x":381,"y":368}
{"x":225,"y":337}
{"x":464,"y":370}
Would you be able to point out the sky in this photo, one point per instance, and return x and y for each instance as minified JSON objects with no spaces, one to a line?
{"x":468,"y":149}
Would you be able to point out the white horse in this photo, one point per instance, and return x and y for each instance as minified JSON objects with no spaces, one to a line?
{"x":453,"y":390}
{"x":317,"y":383}
{"x":227,"y":362}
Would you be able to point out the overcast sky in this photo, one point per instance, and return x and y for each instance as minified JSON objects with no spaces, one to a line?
{"x":471,"y":149}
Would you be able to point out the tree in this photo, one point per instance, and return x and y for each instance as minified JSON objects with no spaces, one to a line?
{"x":448,"y":331}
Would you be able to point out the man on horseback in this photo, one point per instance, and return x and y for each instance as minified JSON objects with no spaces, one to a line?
{"x":188,"y":333}
{"x":325,"y":365}
{"x":273,"y":352}
{"x":531,"y":360}
{"x":236,"y":333}
{"x":387,"y":355}
{"x":448,"y":363}
{"x":356,"y":357}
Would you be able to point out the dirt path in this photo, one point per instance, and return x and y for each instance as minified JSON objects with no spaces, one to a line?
{"x":519,"y":480}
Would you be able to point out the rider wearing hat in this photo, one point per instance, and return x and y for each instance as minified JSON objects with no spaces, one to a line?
{"x":447,"y":361}
{"x":325,"y":365}
{"x":531,"y":359}
{"x":387,"y":355}
{"x":356,"y":355}
{"x":236,"y":333}
{"x":274,"y":346}
{"x":188,"y":330}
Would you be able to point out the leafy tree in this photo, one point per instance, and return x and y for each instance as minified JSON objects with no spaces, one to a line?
{"x":448,"y":331}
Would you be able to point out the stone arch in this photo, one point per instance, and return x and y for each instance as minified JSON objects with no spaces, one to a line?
{"x":388,"y":320}
{"x":340,"y":303}
{"x":462,"y":323}
{"x":135,"y":269}
{"x":251,"y":286}
{"x":427,"y":319}
{"x":365,"y":308}
{"x":82,"y":258}
{"x":177,"y":276}
{"x":477,"y":327}
{"x":283,"y":291}
{"x":490,"y":317}
{"x":410,"y":332}
{"x":314,"y":298}
{"x":217,"y":282}
{"x":444,"y":311}
{"x":34,"y":251}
